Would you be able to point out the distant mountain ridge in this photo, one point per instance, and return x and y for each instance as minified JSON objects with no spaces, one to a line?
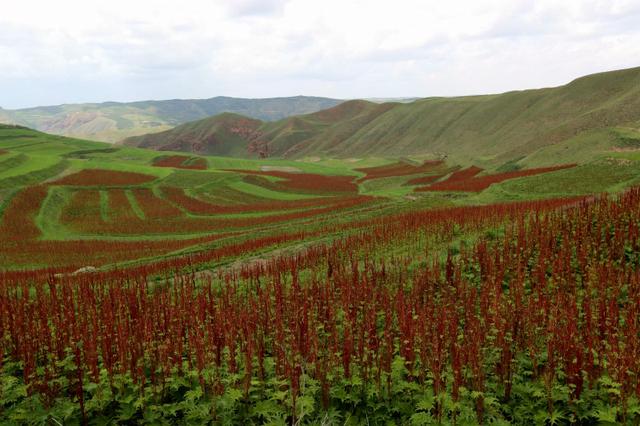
{"x":492,"y":128}
{"x":114,"y":121}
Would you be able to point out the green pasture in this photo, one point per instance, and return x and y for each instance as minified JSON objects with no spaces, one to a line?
{"x":608,"y":161}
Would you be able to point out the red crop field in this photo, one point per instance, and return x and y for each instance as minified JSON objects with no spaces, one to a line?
{"x":467,"y":180}
{"x":532,"y":311}
{"x":424,"y":180}
{"x":181,"y":162}
{"x":83,"y":210}
{"x":399,"y":169}
{"x":306,"y":182}
{"x":21,"y":244}
{"x":197,"y":206}
{"x":99,"y":177}
{"x":464,"y":174}
{"x":163,"y":217}
{"x":154,"y":207}
{"x":18,"y":217}
{"x":120,"y":209}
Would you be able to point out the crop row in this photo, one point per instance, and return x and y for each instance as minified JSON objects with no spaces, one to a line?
{"x":200,"y":207}
{"x":467,"y":180}
{"x":82,"y":210}
{"x":154,"y":207}
{"x":400,"y":168}
{"x":85,"y":213}
{"x":181,"y":162}
{"x":162,"y":217}
{"x":546,"y":309}
{"x":305,"y":182}
{"x":99,"y":177}
{"x":22,"y":243}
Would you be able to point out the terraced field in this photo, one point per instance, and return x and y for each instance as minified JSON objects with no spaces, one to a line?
{"x":67,"y":204}
{"x":144,"y":287}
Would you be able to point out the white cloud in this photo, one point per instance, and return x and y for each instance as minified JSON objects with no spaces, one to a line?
{"x":76,"y":51}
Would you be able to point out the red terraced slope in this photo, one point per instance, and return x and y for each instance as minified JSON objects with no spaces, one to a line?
{"x":197,"y":206}
{"x":99,"y":177}
{"x":467,"y":180}
{"x":22,"y":243}
{"x":154,"y":207}
{"x":398,"y":169}
{"x":308,"y":182}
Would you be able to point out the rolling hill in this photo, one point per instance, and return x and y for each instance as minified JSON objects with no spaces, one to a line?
{"x":171,"y":273}
{"x":589,"y":113}
{"x":113,"y":121}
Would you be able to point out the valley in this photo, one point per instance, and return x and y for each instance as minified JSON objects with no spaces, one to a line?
{"x":467,"y":260}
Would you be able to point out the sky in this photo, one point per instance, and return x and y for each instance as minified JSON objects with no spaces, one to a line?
{"x":70,"y":51}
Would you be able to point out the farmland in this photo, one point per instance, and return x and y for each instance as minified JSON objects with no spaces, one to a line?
{"x":145,"y":287}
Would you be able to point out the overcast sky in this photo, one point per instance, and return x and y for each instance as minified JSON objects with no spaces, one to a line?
{"x":64,"y":51}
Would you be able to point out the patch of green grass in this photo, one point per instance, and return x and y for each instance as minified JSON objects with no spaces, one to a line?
{"x":44,"y":170}
{"x":6,"y":194}
{"x":31,"y":164}
{"x":607,"y":175}
{"x":510,"y":166}
{"x":387,"y":187}
{"x":259,"y":191}
{"x":12,"y":161}
{"x":104,"y":206}
{"x":48,"y":218}
{"x":87,"y":153}
{"x":107,"y":164}
{"x":193,"y":179}
{"x":134,"y":204}
{"x":580,"y":149}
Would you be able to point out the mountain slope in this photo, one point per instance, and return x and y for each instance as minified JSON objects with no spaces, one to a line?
{"x":321,"y":131}
{"x":490,"y":128}
{"x":114,"y":121}
{"x":229,"y":134}
{"x":501,"y":126}
{"x":225,"y":134}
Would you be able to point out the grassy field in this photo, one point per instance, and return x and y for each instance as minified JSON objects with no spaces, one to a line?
{"x":94,"y":192}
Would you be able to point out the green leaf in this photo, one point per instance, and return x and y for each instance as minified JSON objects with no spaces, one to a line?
{"x":556,"y":417}
{"x":422,"y":418}
{"x":305,"y":406}
{"x":127,"y":411}
{"x":12,"y":390}
{"x":199,"y":413}
{"x":633,"y":406}
{"x":193,"y":394}
{"x":280,"y":395}
{"x":266,"y":409}
{"x":426,"y":403}
{"x":607,"y":415}
{"x":65,"y":409}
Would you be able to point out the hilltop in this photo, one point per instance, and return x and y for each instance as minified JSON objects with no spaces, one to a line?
{"x":114,"y":121}
{"x":556,"y":124}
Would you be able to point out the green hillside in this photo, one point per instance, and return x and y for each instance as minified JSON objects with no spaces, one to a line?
{"x":206,"y":253}
{"x":114,"y":121}
{"x":58,"y":194}
{"x":533,"y":127}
